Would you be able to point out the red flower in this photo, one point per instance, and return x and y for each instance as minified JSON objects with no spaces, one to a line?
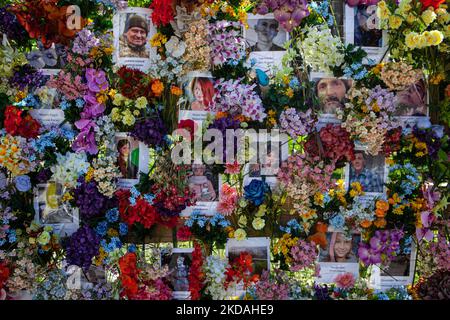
{"x":431,"y":3}
{"x":184,"y":233}
{"x":4,"y":274}
{"x":162,"y":12}
{"x":141,"y":212}
{"x":196,"y":276}
{"x":241,"y":269}
{"x":189,"y":125}
{"x":129,"y":275}
{"x":133,"y":83}
{"x":17,"y":123}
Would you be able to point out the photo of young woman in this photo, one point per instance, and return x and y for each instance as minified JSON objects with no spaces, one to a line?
{"x":127,"y":159}
{"x":341,"y":248}
{"x":202,"y":90}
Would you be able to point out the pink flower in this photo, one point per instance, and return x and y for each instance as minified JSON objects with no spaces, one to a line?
{"x":85,"y":141}
{"x":233,"y":168}
{"x":345,"y":280}
{"x":228,"y":200}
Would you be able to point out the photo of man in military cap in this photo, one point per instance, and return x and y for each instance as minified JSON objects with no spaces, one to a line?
{"x":132,"y":43}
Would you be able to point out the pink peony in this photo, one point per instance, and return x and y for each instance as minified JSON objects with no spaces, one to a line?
{"x":345,"y":280}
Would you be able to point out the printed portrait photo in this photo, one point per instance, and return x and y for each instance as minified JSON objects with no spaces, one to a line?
{"x":365,"y":26}
{"x":128,"y":156}
{"x":258,"y":248}
{"x":341,"y":248}
{"x":265,"y":34}
{"x":368,"y":170}
{"x":412,"y":102}
{"x":50,"y":208}
{"x":134,"y":36}
{"x":199,"y":90}
{"x":203,"y":183}
{"x":331,"y":93}
{"x":179,"y":262}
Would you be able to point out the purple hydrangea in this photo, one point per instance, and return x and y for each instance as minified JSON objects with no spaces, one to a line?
{"x":150,"y":131}
{"x":82,"y":246}
{"x":27,"y":77}
{"x":10,"y":26}
{"x":222,"y":124}
{"x":90,"y":201}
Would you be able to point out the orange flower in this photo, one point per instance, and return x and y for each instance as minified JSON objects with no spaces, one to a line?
{"x":382,"y":205}
{"x":176,"y":91}
{"x":380,"y":223}
{"x":157,"y":88}
{"x":366,"y":223}
{"x":221,"y":114}
{"x":319,"y":237}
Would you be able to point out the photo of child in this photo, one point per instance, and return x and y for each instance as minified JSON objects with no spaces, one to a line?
{"x":201,"y":91}
{"x":201,"y":184}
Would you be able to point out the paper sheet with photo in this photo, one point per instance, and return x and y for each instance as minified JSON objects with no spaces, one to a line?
{"x":179,"y":261}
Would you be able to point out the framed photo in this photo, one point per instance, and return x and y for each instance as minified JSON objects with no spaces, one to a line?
{"x":340,"y":256}
{"x":49,"y":60}
{"x":132,"y":158}
{"x":267,"y":169}
{"x":257,"y":247}
{"x":198,"y":88}
{"x":400,"y":271}
{"x":265,"y":40}
{"x":50,"y":210}
{"x":132,"y":31}
{"x":179,"y":262}
{"x":412,"y":102}
{"x":361,"y":29}
{"x":331,"y":93}
{"x":205,"y":185}
{"x":370,"y":171}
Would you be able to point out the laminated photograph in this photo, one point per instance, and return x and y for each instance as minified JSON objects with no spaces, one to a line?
{"x":340,"y":257}
{"x":179,"y":262}
{"x":265,"y":40}
{"x":400,"y":271}
{"x":361,"y":29}
{"x":133,"y":30}
{"x":51,"y":211}
{"x":132,"y":158}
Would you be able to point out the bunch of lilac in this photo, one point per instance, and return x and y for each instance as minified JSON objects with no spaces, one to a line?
{"x":82,"y":246}
{"x":295,"y":123}
{"x":382,"y":101}
{"x":84,"y":42}
{"x":226,"y":42}
{"x":382,"y":248}
{"x":289,"y":13}
{"x":90,"y":201}
{"x":238,"y":98}
{"x":151,"y":131}
{"x":303,"y":254}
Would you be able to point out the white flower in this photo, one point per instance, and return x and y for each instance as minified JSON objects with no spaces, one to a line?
{"x":175,"y":47}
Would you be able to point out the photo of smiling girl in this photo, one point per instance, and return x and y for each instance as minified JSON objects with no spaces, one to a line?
{"x":202,"y":90}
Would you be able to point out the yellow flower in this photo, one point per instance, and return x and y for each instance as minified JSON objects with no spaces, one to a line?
{"x":112,"y":232}
{"x":289,"y":92}
{"x":128,"y":118}
{"x":118,"y":99}
{"x":428,"y":16}
{"x":285,"y":79}
{"x":258,"y":223}
{"x":411,"y":40}
{"x":436,"y":37}
{"x":67,"y":197}
{"x":115,"y":114}
{"x":240,"y":234}
{"x":410,"y":18}
{"x":395,"y":22}
{"x":141,"y":102}
{"x":437,"y":78}
{"x":318,"y":199}
{"x":112,"y":93}
{"x":395,"y":199}
{"x":377,"y":69}
{"x":398,"y":210}
{"x":89,"y":174}
{"x":242,"y":221}
{"x":158,"y":40}
{"x":261,"y":211}
{"x":102,"y":97}
{"x":20,"y":96}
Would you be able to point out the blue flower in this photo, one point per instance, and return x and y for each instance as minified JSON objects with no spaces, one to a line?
{"x":337,"y":222}
{"x":23,"y":183}
{"x":112,"y":215}
{"x":294,"y":83}
{"x":256,"y":191}
{"x":123,"y":229}
{"x":149,"y":198}
{"x":64,"y":105}
{"x":132,"y":248}
{"x":79,"y":103}
{"x":101,"y":228}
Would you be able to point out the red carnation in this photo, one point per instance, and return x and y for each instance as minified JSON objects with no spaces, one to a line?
{"x":431,"y":3}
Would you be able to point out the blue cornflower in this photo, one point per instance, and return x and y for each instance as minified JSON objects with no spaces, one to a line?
{"x":64,"y":105}
{"x":112,"y":215}
{"x":79,"y":103}
{"x":132,"y":248}
{"x":123,"y":229}
{"x":101,"y":228}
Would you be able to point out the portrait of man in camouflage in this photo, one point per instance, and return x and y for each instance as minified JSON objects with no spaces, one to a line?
{"x":132,"y":43}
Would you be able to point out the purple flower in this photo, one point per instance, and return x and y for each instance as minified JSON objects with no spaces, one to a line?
{"x":96,"y":80}
{"x":23,"y":183}
{"x":84,"y":42}
{"x":85,"y":141}
{"x":367,"y":255}
{"x":90,"y":201}
{"x":82,"y":246}
{"x":92,"y":108}
{"x":424,"y":231}
{"x":150,"y":131}
{"x":10,"y":26}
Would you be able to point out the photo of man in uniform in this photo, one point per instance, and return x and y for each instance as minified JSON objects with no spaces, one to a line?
{"x":132,"y":43}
